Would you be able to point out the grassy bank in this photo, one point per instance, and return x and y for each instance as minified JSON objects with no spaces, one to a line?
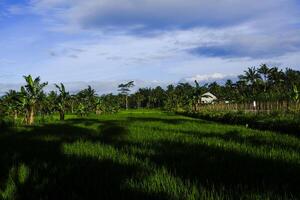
{"x":147,"y":155}
{"x":285,"y":123}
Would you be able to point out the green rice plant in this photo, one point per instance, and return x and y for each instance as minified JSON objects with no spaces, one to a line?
{"x":147,"y":154}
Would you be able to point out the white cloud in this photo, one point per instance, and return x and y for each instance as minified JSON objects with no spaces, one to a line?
{"x":208,"y":77}
{"x":159,"y":14}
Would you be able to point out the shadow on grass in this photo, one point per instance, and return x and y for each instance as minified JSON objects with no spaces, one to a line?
{"x":227,"y":168}
{"x":56,"y":175}
{"x":212,"y":166}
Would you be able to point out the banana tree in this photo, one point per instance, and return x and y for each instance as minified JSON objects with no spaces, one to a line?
{"x":62,"y":100}
{"x":81,"y":110}
{"x":31,"y":92}
{"x":11,"y":103}
{"x":296,"y":95}
{"x":99,"y":106}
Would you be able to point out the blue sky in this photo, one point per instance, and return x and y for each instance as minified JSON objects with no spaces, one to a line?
{"x":151,"y":41}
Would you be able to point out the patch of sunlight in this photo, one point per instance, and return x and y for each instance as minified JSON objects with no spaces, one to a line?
{"x":161,"y":183}
{"x":98,"y":151}
{"x":16,"y":178}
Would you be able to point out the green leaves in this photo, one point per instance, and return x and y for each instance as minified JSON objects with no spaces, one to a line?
{"x":33,"y":88}
{"x":125,"y":88}
{"x":295,"y":94}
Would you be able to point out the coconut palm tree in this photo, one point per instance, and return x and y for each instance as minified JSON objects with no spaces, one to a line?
{"x":264,"y":70}
{"x":252,"y":78}
{"x":32,"y":92}
{"x":62,"y":100}
{"x":276,"y":79}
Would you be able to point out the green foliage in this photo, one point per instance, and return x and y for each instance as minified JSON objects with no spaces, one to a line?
{"x":33,"y":89}
{"x":295,"y":94}
{"x":81,"y":110}
{"x":6,"y":122}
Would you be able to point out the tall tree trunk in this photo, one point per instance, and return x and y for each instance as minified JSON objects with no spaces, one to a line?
{"x":15,"y":115}
{"x":30,"y":116}
{"x":72,"y":107}
{"x":62,"y":115}
{"x":126,"y":102}
{"x":98,"y":111}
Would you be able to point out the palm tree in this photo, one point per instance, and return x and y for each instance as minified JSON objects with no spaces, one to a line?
{"x":265,"y":71}
{"x":125,"y":89}
{"x":252,"y":77}
{"x":228,"y":90}
{"x":242,"y":90}
{"x":32,"y":92}
{"x":62,"y":100}
{"x":276,"y":79}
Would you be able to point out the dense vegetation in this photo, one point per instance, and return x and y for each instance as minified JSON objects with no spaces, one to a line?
{"x":146,"y":155}
{"x":271,"y":88}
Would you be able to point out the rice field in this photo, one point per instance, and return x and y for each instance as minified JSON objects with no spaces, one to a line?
{"x":147,"y":154}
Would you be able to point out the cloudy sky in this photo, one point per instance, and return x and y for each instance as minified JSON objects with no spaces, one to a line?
{"x":151,"y":41}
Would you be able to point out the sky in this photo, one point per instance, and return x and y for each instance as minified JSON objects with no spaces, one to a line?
{"x":154,"y":42}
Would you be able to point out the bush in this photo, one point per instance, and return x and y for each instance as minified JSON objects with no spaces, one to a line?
{"x":6,"y":123}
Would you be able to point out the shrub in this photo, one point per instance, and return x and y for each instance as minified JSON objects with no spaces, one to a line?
{"x":6,"y":123}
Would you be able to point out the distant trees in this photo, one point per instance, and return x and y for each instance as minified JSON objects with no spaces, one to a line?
{"x":87,"y":100}
{"x":271,"y":87}
{"x":31,"y":100}
{"x":268,"y":85}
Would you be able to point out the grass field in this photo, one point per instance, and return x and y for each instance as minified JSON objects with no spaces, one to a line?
{"x":147,"y":155}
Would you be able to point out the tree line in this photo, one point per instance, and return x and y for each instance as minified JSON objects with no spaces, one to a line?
{"x":264,"y":84}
